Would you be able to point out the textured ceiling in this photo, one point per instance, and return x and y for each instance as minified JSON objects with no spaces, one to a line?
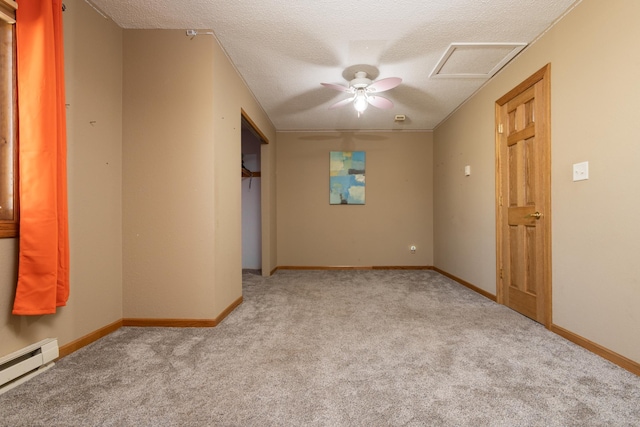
{"x":284,"y":50}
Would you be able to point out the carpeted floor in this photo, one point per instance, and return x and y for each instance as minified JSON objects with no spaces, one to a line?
{"x":335,"y":348}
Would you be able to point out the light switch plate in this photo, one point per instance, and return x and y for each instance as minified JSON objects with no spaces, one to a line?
{"x":467,"y":170}
{"x":581,"y":171}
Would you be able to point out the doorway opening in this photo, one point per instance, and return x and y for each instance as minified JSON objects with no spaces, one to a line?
{"x":251,"y":142}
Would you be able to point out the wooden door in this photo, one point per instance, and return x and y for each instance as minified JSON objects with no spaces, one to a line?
{"x":523,"y":205}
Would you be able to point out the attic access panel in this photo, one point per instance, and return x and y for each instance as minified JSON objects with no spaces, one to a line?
{"x":475,"y":60}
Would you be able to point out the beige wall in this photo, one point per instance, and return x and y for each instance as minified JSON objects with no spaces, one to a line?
{"x":168,"y":228}
{"x":93,"y":53}
{"x":397,"y":213}
{"x":182,"y":193}
{"x":230,"y":97}
{"x":595,"y":101}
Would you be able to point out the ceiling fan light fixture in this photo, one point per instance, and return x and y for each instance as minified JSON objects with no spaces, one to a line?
{"x":360,"y":103}
{"x":360,"y":81}
{"x":365,"y":92}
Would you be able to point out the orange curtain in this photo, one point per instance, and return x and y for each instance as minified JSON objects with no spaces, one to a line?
{"x":43,"y":270}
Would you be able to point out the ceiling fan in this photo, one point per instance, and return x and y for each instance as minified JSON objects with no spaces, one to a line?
{"x":364,"y":92}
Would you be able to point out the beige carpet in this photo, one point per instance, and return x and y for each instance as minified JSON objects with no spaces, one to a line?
{"x":336,"y":348}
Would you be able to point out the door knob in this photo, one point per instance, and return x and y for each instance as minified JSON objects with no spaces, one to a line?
{"x":536,"y":215}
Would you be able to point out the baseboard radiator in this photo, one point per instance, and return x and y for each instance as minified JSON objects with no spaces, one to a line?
{"x":26,"y":363}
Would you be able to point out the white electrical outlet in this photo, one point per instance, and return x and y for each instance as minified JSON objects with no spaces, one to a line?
{"x":412,"y":249}
{"x":581,"y":171}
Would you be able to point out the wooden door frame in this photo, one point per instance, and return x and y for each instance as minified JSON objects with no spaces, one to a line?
{"x":543,"y":75}
{"x":265,"y":241}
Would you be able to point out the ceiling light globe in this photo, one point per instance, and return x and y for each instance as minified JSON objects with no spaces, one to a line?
{"x":360,"y":103}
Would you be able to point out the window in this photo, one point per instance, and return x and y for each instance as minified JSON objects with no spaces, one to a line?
{"x":8,"y":122}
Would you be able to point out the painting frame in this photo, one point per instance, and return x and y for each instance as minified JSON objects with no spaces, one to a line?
{"x":347,"y":177}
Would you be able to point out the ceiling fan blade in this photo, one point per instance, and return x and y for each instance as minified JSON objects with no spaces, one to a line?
{"x":380,"y":102}
{"x":342,"y":103}
{"x":384,"y":84}
{"x":336,"y":87}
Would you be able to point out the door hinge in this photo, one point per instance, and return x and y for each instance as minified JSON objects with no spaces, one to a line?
{"x":500,"y":129}
{"x":500,"y":201}
{"x":501,"y":273}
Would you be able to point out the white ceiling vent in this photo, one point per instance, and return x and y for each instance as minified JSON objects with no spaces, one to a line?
{"x":475,"y":60}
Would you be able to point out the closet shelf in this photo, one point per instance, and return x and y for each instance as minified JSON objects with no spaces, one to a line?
{"x":246,"y":173}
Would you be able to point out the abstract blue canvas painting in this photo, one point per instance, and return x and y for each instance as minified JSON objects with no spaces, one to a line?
{"x":346,"y":177}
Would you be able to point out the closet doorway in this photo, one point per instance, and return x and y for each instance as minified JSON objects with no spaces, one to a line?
{"x":251,"y":143}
